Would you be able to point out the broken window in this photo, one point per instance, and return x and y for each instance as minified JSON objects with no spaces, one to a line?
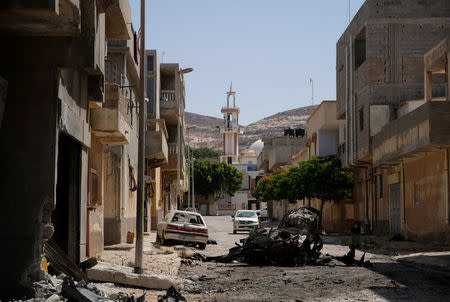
{"x":360,"y":48}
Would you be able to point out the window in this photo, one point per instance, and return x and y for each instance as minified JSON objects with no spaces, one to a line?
{"x":361,"y":119}
{"x":150,"y":95}
{"x":379,"y":186}
{"x":360,"y":48}
{"x":149,"y":63}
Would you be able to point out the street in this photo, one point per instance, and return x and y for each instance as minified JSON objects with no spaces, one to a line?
{"x":386,"y":280}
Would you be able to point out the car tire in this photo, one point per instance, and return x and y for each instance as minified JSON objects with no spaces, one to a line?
{"x":202,"y":246}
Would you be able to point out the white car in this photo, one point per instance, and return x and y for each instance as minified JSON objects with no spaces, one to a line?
{"x":245,"y":220}
{"x":183,"y":226}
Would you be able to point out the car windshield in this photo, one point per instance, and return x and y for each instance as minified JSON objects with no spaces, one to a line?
{"x":246,"y":214}
{"x":187,"y":218}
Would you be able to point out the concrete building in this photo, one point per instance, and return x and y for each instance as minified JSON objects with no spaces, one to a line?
{"x":113,"y":156}
{"x":322,"y":139}
{"x":157,"y":150}
{"x":379,"y":66}
{"x":53,"y":65}
{"x":277,"y":152}
{"x":411,"y":158}
{"x":172,"y":105}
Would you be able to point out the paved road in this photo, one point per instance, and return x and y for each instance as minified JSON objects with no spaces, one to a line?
{"x":386,"y":280}
{"x":220,"y":228}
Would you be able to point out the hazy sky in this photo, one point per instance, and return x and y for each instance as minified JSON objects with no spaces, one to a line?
{"x":268,"y":48}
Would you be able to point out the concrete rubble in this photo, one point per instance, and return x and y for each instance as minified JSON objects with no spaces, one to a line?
{"x":108,"y":272}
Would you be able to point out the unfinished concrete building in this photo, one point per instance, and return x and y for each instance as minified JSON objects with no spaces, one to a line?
{"x":379,"y":66}
{"x":156,"y":148}
{"x":114,"y":147}
{"x":53,"y":65}
{"x":172,"y":104}
{"x":411,"y":154}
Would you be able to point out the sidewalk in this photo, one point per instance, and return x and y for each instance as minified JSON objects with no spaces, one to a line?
{"x":416,"y":253}
{"x":160,"y":264}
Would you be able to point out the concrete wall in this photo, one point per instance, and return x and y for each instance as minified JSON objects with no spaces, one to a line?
{"x":327,"y":142}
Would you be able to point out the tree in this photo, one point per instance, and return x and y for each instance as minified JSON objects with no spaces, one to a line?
{"x":318,"y":177}
{"x":202,"y":153}
{"x":216,"y":179}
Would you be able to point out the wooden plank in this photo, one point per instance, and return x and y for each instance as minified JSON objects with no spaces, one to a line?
{"x":57,"y":258}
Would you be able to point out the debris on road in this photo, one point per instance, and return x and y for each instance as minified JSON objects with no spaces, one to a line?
{"x":172,"y":295}
{"x":349,"y":258}
{"x":211,"y":241}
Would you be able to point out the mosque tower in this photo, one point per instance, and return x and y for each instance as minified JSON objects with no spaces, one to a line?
{"x":230,"y":130}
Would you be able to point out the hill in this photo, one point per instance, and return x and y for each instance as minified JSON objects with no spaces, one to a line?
{"x":207,"y":135}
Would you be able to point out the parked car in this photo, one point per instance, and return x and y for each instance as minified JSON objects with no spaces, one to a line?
{"x":191,"y":210}
{"x":183,"y":226}
{"x":245,"y":220}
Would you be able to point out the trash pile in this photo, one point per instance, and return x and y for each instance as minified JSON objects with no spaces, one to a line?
{"x":295,"y":242}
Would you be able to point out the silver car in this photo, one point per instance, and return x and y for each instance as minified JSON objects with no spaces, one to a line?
{"x":245,"y":220}
{"x":183,"y":226}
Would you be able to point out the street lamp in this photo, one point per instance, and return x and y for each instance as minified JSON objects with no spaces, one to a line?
{"x":191,"y":166}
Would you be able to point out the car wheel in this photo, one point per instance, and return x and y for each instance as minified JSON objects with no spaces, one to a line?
{"x":202,"y":246}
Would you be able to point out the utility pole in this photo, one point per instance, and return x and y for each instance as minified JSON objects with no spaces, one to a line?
{"x":349,"y":12}
{"x":141,"y":149}
{"x":191,"y":165}
{"x":312,"y":91}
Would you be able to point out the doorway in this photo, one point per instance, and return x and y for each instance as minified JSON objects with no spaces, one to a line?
{"x":66,"y":216}
{"x":394,"y":208}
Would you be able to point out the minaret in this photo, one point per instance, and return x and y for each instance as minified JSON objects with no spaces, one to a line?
{"x":230,"y":130}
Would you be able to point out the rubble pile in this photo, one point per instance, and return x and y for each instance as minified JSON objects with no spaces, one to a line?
{"x":295,"y":242}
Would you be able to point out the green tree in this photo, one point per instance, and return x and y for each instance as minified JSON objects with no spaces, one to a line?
{"x":318,"y":177}
{"x":202,"y":153}
{"x":216,"y":179}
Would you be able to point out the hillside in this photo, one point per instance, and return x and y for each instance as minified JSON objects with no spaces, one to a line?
{"x":207,"y":135}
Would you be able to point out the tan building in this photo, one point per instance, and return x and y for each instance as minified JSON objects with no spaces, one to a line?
{"x":113,"y":158}
{"x":411,"y":155}
{"x":379,"y":66}
{"x":53,"y":65}
{"x":157,"y":150}
{"x":322,"y":139}
{"x":172,"y":105}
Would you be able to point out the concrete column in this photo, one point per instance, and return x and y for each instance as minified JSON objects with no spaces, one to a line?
{"x":428,"y":86}
{"x":447,"y":77}
{"x":83,"y":202}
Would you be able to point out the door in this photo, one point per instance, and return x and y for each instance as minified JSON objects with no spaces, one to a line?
{"x":66,"y":216}
{"x":394,"y":208}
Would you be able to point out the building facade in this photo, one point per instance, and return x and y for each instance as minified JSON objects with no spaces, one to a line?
{"x":379,"y":67}
{"x":53,"y":65}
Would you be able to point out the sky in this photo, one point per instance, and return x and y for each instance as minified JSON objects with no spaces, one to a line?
{"x":269,"y":49}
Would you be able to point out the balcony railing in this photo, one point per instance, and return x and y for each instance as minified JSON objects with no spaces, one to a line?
{"x":173,"y":148}
{"x":168,"y":96}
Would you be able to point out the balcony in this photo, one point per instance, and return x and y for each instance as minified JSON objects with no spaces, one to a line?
{"x":169,"y":105}
{"x":41,"y":17}
{"x":156,"y":148}
{"x":111,"y":123}
{"x":117,"y":16}
{"x":424,"y":129}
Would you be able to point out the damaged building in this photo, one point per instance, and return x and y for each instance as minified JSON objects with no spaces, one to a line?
{"x":389,"y":139}
{"x":69,"y":87}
